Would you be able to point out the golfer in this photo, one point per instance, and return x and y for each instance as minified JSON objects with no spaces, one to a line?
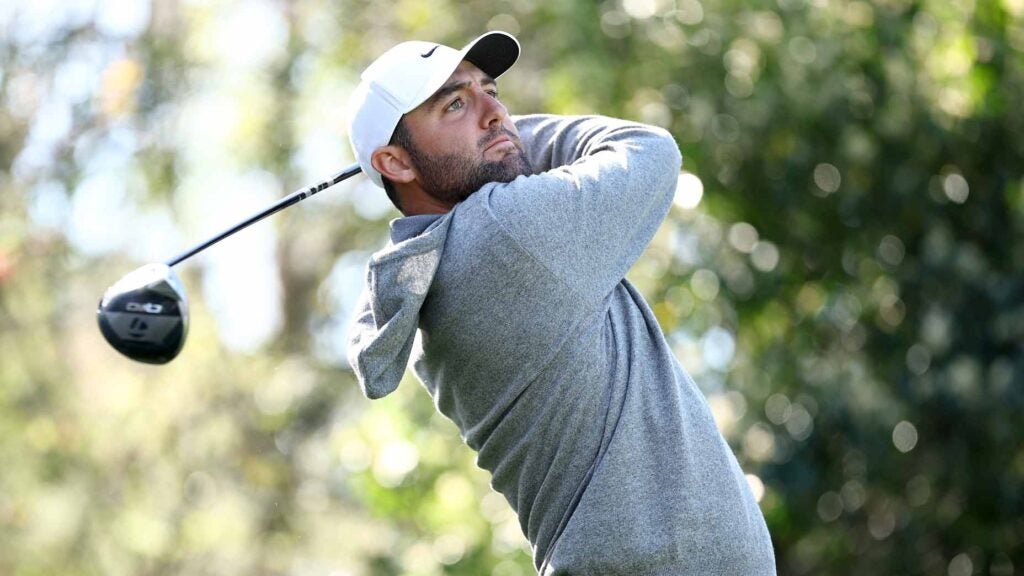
{"x":509,"y":263}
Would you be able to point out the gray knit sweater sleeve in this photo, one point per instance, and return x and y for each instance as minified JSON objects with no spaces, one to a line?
{"x":603,"y":188}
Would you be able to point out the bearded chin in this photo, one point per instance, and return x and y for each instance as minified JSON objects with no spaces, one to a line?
{"x":452,"y":178}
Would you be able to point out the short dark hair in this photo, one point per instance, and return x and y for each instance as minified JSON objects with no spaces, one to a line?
{"x":402,"y":138}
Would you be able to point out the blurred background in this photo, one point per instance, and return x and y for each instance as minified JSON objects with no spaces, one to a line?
{"x":842,"y":273}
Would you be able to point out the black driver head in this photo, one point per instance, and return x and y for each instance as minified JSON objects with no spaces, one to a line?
{"x":145,"y":314}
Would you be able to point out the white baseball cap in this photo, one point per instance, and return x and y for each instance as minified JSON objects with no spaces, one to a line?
{"x":408,"y":75}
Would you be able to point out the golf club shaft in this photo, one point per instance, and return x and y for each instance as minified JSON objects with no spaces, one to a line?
{"x":293,"y":198}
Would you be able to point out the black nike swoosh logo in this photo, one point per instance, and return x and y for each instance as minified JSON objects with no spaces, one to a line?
{"x":427,"y":54}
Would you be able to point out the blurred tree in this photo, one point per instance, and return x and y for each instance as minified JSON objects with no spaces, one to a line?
{"x":842,"y":274}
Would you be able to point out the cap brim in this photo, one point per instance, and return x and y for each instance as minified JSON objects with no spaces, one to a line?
{"x":494,"y":52}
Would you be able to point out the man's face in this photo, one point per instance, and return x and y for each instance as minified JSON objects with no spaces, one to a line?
{"x":462,"y":138}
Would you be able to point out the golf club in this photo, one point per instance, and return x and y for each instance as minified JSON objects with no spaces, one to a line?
{"x":144,"y":315}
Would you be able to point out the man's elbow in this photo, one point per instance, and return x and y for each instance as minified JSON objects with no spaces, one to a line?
{"x":666,"y":158}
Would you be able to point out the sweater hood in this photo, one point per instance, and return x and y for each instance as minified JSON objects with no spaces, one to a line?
{"x":398,"y":278}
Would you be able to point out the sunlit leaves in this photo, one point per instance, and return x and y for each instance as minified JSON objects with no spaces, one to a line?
{"x":840,"y":272}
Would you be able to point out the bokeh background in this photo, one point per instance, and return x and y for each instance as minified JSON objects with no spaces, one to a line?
{"x":842,"y":272}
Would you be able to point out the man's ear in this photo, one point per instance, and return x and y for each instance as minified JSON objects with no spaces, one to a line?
{"x":393,"y":163}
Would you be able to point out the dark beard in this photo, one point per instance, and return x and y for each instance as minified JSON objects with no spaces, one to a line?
{"x":452,"y":178}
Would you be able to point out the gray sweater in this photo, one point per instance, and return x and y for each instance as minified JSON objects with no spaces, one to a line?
{"x":553,"y":366}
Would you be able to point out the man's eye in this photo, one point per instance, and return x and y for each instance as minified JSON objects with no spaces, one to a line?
{"x":493,"y":93}
{"x":455,"y":105}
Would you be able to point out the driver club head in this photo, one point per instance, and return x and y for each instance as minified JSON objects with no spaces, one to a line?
{"x":144,"y":315}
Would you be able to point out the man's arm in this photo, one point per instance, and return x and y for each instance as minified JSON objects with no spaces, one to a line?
{"x":603,"y":189}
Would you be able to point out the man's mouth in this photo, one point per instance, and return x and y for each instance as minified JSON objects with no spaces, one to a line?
{"x":499,"y":139}
{"x":498,"y":142}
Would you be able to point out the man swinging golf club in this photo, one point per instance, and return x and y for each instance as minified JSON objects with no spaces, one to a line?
{"x":510,"y":262}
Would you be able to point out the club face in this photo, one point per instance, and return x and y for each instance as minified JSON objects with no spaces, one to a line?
{"x":145,"y":314}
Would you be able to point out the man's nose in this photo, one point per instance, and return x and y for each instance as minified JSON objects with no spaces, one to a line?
{"x":492,"y":109}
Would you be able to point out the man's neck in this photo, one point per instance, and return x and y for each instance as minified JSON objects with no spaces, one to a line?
{"x":415,"y":201}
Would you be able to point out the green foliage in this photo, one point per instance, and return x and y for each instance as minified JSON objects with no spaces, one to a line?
{"x":843,"y":274}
